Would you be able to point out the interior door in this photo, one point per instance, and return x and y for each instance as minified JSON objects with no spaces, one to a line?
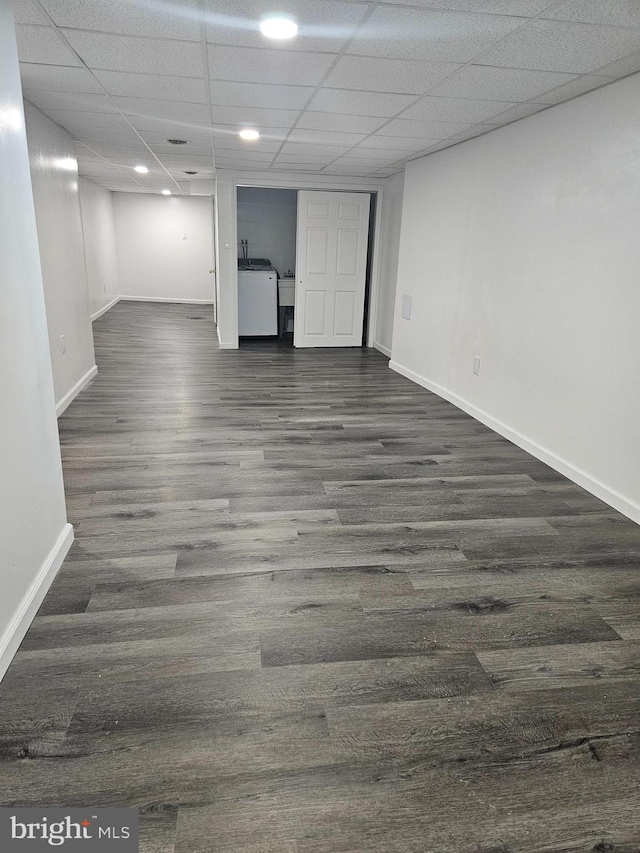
{"x":331,"y":267}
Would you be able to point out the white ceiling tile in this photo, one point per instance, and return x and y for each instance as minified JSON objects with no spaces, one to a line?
{"x":172,"y":110}
{"x":621,"y":67}
{"x":163,"y":150}
{"x":561,"y":46}
{"x":396,"y":31}
{"x":334,"y":121}
{"x":107,"y":135}
{"x":573,"y":89}
{"x":375,"y":74}
{"x":398,"y":143}
{"x":116,"y":152}
{"x":359,"y":103}
{"x":155,"y":138}
{"x":301,"y":167}
{"x":428,"y":129}
{"x":233,"y":143}
{"x":364,"y":165}
{"x":178,"y":19}
{"x":619,"y":13}
{"x":28,"y":12}
{"x":325,"y":137}
{"x":143,"y":55}
{"x":390,"y":155}
{"x":186,"y":162}
{"x":264,"y":120}
{"x":323,"y":26}
{"x":253,"y":65}
{"x":60,"y":78}
{"x":171,"y":129}
{"x":77,"y":119}
{"x":43,"y":45}
{"x":524,"y":8}
{"x":230,"y":132}
{"x":75,"y":101}
{"x":345,"y":171}
{"x":499,"y":84}
{"x":256,"y":95}
{"x":514,"y":113}
{"x":155,"y":86}
{"x":238,"y":157}
{"x":295,"y":159}
{"x":314,"y":150}
{"x":454,"y":109}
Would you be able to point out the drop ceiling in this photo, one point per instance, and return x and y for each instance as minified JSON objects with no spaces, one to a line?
{"x":363,"y":88}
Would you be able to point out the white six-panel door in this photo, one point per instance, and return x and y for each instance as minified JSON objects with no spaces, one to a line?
{"x":331,"y":266}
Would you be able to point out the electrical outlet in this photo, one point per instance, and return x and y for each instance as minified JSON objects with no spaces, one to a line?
{"x":476,"y":365}
{"x":63,"y":344}
{"x":405,"y":312}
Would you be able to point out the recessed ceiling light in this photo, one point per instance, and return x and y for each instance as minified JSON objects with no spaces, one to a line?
{"x":278,"y":27}
{"x":248,"y":133}
{"x":142,"y":170}
{"x":166,"y":192}
{"x":177,"y":141}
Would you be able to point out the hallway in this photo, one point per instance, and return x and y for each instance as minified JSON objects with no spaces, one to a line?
{"x":313,"y":608}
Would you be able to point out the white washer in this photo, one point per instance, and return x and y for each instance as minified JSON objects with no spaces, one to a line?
{"x":258,"y":300}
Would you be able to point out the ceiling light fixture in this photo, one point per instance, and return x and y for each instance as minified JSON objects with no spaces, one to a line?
{"x":191,"y":173}
{"x":177,"y":141}
{"x":142,"y":170}
{"x":249,"y":134}
{"x":278,"y":27}
{"x":166,"y":192}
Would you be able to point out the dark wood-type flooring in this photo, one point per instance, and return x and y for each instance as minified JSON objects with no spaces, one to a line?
{"x":313,"y":608}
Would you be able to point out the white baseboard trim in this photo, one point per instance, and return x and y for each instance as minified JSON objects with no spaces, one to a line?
{"x":23,"y":617}
{"x":105,"y":309}
{"x":223,"y":344}
{"x":165,"y":299}
{"x":381,"y":348}
{"x":70,"y":396}
{"x":596,"y":487}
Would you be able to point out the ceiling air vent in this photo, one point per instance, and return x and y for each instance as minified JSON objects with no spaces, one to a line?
{"x":177,"y":141}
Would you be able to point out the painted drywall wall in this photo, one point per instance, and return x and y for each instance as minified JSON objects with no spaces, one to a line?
{"x":521,"y":248}
{"x":34,"y":534}
{"x":226,"y":218}
{"x":101,"y":257}
{"x":54,"y":175}
{"x":390,"y":238}
{"x":165,"y":246}
{"x":267,"y":218}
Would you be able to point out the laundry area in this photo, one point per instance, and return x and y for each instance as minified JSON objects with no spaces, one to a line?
{"x":267,"y":219}
{"x":304,"y":265}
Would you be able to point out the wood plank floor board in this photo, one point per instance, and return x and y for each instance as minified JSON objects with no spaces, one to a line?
{"x":314,"y":608}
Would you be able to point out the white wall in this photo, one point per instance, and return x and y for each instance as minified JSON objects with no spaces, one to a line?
{"x":267,"y":218}
{"x":155,"y":261}
{"x":54,"y":175}
{"x":34,"y":534}
{"x":98,"y":227}
{"x":521,"y":247}
{"x":390,"y":247}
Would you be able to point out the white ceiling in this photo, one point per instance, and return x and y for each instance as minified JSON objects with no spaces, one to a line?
{"x":364,"y":87}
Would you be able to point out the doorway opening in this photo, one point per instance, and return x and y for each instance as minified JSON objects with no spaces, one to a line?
{"x":288,"y":241}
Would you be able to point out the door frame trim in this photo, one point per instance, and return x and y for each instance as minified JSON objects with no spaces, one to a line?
{"x":296,"y":181}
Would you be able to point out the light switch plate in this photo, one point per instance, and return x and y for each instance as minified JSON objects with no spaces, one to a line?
{"x":405,"y":313}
